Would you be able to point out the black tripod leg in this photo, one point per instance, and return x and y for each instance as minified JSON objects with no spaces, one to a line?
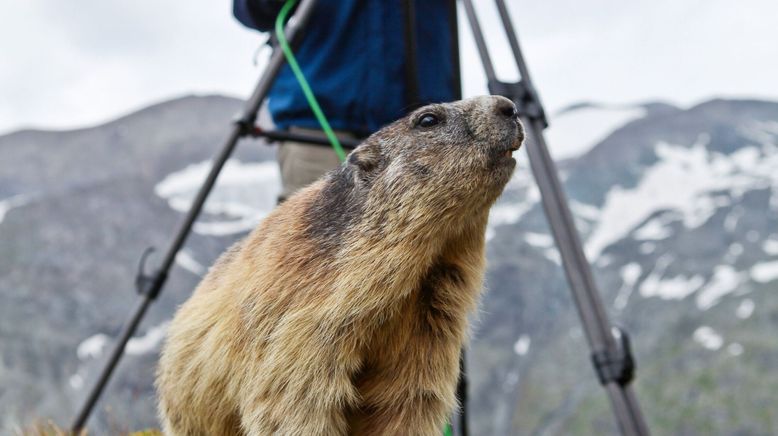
{"x":152,"y":285}
{"x":594,"y":319}
{"x":613,"y":364}
{"x":462,"y":395}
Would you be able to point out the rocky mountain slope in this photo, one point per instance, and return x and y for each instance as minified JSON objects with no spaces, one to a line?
{"x":679,"y":211}
{"x":678,"y":207}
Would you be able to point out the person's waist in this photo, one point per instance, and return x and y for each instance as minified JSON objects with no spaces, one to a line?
{"x":340,"y":133}
{"x":344,"y":113}
{"x":348,"y":139}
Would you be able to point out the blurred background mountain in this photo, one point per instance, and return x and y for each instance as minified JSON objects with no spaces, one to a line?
{"x":678,"y":208}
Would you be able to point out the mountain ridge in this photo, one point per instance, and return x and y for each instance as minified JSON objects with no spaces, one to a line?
{"x":688,"y":270}
{"x":151,"y":106}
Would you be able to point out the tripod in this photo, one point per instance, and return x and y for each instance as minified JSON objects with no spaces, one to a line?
{"x":611,"y":354}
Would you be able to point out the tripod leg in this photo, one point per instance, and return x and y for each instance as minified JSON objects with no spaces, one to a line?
{"x":150,"y":287}
{"x":462,"y":395}
{"x":593,"y":316}
{"x":586,"y":297}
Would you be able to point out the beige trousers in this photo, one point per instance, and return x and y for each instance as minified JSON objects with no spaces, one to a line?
{"x":302,"y":164}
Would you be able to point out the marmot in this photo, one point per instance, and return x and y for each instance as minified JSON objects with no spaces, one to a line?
{"x":345,"y":310}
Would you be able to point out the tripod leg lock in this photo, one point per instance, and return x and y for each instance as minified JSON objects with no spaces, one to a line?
{"x":523,"y":95}
{"x":245,"y":122}
{"x":616,"y":365}
{"x":149,"y":284}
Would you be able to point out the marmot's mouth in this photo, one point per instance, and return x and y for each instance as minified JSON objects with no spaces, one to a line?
{"x":514,"y":146}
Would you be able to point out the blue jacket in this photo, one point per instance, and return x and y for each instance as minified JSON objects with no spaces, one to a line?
{"x":353,"y":55}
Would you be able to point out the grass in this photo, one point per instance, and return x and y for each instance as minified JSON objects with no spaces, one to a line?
{"x":48,"y":428}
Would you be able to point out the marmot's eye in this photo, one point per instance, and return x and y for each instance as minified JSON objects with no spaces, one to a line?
{"x":427,"y":120}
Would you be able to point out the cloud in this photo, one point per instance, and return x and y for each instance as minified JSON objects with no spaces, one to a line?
{"x":68,"y":65}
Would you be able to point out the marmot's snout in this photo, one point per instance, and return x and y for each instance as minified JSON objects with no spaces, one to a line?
{"x":500,"y":119}
{"x":506,"y":109}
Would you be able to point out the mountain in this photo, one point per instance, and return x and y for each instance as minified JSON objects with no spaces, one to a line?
{"x":77,"y":210}
{"x":678,"y":209}
{"x":579,"y":127}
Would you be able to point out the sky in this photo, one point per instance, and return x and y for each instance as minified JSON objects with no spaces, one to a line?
{"x":78,"y":63}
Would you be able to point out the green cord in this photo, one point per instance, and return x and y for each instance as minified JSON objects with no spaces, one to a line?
{"x":325,"y":125}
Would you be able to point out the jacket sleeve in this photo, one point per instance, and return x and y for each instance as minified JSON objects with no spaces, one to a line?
{"x":257,"y":14}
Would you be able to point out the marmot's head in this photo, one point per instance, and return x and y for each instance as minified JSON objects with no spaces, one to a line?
{"x":443,"y":154}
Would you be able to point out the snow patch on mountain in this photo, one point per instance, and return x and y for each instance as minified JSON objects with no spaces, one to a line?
{"x":244,"y":193}
{"x":545,"y":243}
{"x":521,"y":347}
{"x":148,"y":342}
{"x":76,"y":381}
{"x":708,"y":338}
{"x":583,"y":210}
{"x":504,"y":214}
{"x":733,"y":252}
{"x":647,"y":248}
{"x":572,"y":133}
{"x":672,"y":288}
{"x":520,"y":195}
{"x":94,"y":346}
{"x":655,"y":229}
{"x":675,"y":288}
{"x":735,"y":349}
{"x":770,"y":246}
{"x":541,"y":240}
{"x":683,"y":180}
{"x":761,"y":132}
{"x":91,"y":347}
{"x":185,"y":260}
{"x":12,"y":202}
{"x":725,"y":280}
{"x":745,"y":309}
{"x":765,"y":272}
{"x":630,"y":273}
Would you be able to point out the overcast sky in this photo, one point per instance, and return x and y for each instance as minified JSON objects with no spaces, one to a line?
{"x":67,"y":64}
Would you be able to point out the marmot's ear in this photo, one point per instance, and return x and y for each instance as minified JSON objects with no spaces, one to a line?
{"x":366,"y":160}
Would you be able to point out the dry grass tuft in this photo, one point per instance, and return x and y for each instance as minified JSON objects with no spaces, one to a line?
{"x":48,"y":428}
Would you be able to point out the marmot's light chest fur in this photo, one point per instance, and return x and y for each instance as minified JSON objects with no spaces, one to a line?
{"x":344,"y":312}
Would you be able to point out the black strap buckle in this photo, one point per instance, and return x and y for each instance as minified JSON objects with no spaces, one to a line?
{"x":616,"y":365}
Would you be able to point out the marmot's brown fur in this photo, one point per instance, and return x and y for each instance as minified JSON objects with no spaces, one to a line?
{"x":344,"y":312}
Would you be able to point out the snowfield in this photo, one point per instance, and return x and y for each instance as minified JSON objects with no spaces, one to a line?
{"x":244,"y":193}
{"x":683,"y":181}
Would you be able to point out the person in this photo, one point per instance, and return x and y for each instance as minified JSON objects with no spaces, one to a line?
{"x":369,"y":62}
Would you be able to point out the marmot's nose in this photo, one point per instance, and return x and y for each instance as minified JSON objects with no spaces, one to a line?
{"x":507,"y":109}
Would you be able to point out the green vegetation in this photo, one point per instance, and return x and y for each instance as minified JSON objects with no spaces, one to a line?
{"x":683,"y":387}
